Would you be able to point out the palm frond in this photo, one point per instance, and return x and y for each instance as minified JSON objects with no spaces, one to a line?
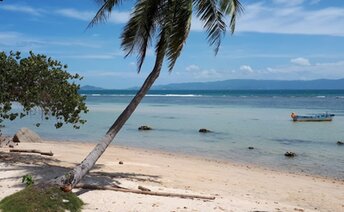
{"x":232,"y":8}
{"x":211,"y":15}
{"x":104,"y":11}
{"x":180,"y":23}
{"x":161,"y":46}
{"x":139,"y":30}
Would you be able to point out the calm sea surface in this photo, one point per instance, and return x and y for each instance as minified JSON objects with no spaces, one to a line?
{"x":239,"y":119}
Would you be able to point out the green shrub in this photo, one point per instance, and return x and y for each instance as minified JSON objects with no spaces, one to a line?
{"x":28,"y":180}
{"x":47,"y":199}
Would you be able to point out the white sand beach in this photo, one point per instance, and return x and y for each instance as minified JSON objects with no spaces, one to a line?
{"x":235,"y":187}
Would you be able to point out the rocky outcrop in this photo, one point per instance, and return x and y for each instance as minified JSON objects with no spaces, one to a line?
{"x":290,"y":154}
{"x":203,"y":130}
{"x":27,"y":136}
{"x":144,"y":128}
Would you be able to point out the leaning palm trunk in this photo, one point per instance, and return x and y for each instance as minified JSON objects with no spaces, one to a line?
{"x":69,"y":180}
{"x":172,"y":19}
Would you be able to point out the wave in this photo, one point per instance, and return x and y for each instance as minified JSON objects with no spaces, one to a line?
{"x":184,"y":95}
{"x":150,"y":95}
{"x":106,"y":95}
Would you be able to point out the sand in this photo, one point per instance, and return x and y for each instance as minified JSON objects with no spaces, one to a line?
{"x":236,"y":187}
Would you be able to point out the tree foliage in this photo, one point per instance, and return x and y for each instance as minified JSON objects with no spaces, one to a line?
{"x":39,"y":82}
{"x":167,"y":23}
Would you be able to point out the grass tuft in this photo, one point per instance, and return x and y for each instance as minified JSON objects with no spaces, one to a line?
{"x":34,"y":198}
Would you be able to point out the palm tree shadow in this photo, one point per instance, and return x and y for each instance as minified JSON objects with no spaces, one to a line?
{"x":11,"y":158}
{"x":113,"y":178}
{"x":43,"y":168}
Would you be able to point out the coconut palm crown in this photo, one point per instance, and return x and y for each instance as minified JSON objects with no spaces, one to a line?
{"x":168,"y":23}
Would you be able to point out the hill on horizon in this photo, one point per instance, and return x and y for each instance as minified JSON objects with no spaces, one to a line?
{"x":244,"y":84}
{"x":90,"y":87}
{"x":250,"y":84}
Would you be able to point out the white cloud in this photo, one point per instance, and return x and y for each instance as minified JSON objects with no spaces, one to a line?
{"x":118,"y":17}
{"x":291,"y":19}
{"x":76,"y":14}
{"x":329,"y":70}
{"x":199,"y":73}
{"x":300,"y":61}
{"x":287,"y":17}
{"x":192,"y":67}
{"x":112,"y":73}
{"x":10,"y":40}
{"x":16,"y":41}
{"x":92,"y":56}
{"x":9,"y":35}
{"x":325,"y":70}
{"x":288,"y":2}
{"x":246,"y":69}
{"x":22,"y":9}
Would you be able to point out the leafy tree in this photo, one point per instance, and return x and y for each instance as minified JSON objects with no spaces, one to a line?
{"x":167,"y":22}
{"x":39,"y":82}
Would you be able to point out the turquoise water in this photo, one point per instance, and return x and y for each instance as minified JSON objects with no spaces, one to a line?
{"x":238,"y":119}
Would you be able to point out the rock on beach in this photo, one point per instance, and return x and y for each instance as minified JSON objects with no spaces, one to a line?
{"x":27,"y":136}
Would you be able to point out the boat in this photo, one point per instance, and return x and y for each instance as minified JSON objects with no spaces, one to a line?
{"x":313,"y":117}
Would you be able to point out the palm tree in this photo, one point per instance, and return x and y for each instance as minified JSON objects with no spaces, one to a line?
{"x":167,"y":22}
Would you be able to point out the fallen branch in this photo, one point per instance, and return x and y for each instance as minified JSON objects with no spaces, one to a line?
{"x":143,"y":188}
{"x":33,"y":151}
{"x":165,"y":194}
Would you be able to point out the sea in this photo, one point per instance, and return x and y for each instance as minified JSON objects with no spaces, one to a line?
{"x":238,"y":119}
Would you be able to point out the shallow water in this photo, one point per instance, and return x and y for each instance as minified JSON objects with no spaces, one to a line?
{"x":238,"y":119}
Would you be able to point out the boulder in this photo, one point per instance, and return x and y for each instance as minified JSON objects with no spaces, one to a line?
{"x":290,"y":154}
{"x":26,"y":135}
{"x":6,"y":141}
{"x":203,"y":130}
{"x":144,"y":128}
{"x":340,"y":142}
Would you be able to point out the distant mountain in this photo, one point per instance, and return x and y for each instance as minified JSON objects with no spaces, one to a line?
{"x":243,"y":84}
{"x":90,"y":87}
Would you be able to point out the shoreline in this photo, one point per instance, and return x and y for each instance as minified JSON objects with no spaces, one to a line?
{"x":206,"y":158}
{"x":236,"y":187}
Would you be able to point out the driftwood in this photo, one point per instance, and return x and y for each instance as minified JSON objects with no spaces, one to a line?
{"x":143,"y":188}
{"x":165,"y":194}
{"x":32,"y":151}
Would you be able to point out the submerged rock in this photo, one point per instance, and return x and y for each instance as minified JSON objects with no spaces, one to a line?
{"x":340,"y":142}
{"x":290,"y":154}
{"x":26,"y":135}
{"x":203,"y":130}
{"x":144,"y":127}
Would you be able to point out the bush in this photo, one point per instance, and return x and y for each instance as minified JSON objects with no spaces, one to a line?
{"x":47,"y":199}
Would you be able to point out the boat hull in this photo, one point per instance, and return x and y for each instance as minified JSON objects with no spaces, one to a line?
{"x":312,"y":119}
{"x":315,"y":117}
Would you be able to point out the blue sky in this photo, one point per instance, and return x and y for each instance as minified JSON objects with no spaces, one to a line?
{"x":275,"y":39}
